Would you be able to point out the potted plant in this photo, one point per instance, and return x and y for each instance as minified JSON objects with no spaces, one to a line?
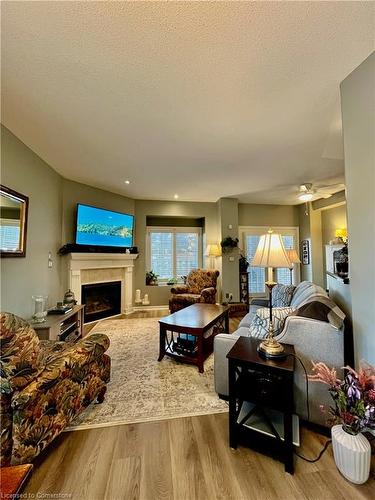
{"x":172,"y":281}
{"x":151,"y":278}
{"x":228,"y":244}
{"x":243,"y":263}
{"x":353,"y":413}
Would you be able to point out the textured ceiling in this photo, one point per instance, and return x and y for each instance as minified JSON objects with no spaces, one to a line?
{"x":201,"y":99}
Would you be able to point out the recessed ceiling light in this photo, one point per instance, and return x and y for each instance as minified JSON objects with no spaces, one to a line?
{"x":175,"y":196}
{"x":127,"y":182}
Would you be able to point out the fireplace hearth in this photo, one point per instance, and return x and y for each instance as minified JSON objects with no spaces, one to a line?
{"x":102,"y":300}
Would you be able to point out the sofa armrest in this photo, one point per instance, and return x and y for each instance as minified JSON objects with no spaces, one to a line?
{"x":6,"y":420}
{"x":313,"y":341}
{"x":63,"y":366}
{"x":208,"y":292}
{"x":223,"y":343}
{"x":180,"y":289}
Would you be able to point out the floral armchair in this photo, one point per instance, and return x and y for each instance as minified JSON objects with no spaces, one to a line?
{"x":200,"y":287}
{"x":44,"y":386}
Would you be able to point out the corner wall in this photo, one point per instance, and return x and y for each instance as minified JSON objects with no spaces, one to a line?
{"x":358,"y":116}
{"x":23,"y":171}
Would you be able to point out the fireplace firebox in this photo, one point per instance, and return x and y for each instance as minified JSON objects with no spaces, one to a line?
{"x":101,"y":300}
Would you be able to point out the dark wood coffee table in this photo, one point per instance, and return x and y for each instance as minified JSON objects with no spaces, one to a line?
{"x":194,"y":320}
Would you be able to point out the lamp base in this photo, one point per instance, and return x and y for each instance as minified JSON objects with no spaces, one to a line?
{"x":271,"y":349}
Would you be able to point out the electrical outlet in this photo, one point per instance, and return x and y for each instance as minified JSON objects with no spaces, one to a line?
{"x":50,"y":261}
{"x":229,"y":296}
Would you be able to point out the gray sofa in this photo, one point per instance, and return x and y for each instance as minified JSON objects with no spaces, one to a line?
{"x":313,"y":340}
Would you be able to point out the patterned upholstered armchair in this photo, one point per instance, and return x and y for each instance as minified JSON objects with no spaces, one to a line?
{"x":44,"y":386}
{"x":200,"y":287}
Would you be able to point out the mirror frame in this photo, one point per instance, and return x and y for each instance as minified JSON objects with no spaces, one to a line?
{"x":24,"y":214}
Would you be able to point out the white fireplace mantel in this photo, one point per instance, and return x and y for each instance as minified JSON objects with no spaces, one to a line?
{"x":78,"y":262}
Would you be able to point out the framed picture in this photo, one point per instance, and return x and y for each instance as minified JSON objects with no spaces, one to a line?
{"x":305,"y":252}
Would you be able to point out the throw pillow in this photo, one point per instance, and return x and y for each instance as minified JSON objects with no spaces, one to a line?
{"x":259,"y":325}
{"x":322,"y":309}
{"x":282,"y":295}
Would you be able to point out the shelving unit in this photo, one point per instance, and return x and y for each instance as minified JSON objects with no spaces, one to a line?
{"x":68,"y":327}
{"x":244,"y":287}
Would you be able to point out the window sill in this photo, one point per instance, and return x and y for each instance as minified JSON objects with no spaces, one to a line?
{"x":166,"y":284}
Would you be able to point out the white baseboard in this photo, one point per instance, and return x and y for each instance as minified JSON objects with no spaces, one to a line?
{"x":150,"y":308}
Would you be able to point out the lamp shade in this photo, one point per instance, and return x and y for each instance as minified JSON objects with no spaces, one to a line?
{"x":293,"y":256}
{"x":270,"y":252}
{"x":213,"y":251}
{"x":341,"y":233}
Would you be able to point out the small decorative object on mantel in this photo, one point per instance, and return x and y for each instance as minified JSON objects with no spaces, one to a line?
{"x":354,"y":413}
{"x":40,"y":308}
{"x":69,"y":298}
{"x":228,"y":244}
{"x":151,"y":278}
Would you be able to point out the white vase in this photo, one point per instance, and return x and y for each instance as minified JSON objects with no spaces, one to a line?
{"x":352,"y":454}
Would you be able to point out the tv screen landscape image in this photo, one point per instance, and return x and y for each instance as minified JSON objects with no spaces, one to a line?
{"x":96,"y":226}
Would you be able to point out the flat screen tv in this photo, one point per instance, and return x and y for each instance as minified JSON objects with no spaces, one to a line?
{"x":100,"y":227}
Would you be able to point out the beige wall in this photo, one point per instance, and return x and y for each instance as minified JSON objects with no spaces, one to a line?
{"x":159,"y":295}
{"x":75,"y":192}
{"x":228,"y":216}
{"x":332,"y":219}
{"x":267,"y":215}
{"x":358,"y":114}
{"x":23,"y":171}
{"x":310,"y":228}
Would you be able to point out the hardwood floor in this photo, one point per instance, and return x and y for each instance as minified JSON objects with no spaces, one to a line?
{"x":181,"y":459}
{"x":184,"y":458}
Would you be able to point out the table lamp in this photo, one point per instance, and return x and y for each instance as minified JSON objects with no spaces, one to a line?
{"x":294,"y":259}
{"x":212,"y":251}
{"x":341,"y":235}
{"x":271,"y":253}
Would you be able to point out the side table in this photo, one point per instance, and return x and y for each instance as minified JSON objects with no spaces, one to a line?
{"x":261,"y":401}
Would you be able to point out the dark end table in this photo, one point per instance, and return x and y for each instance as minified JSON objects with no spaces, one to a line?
{"x":260,"y":385}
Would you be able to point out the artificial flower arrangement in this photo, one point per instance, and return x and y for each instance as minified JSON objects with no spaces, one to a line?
{"x":354,"y":396}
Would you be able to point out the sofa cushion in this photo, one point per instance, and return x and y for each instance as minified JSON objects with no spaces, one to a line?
{"x":242,"y":331}
{"x":259,"y":326}
{"x":282,"y":295}
{"x":246,"y":320}
{"x":305,"y":291}
{"x":187,"y":297}
{"x":322,"y":309}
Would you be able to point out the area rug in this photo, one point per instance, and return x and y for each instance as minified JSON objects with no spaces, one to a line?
{"x":143,"y":389}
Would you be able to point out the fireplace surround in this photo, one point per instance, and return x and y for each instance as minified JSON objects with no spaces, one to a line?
{"x":91,"y":268}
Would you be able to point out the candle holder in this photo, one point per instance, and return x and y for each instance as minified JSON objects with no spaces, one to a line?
{"x":40,"y":308}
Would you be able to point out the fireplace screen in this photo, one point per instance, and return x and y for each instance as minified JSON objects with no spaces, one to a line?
{"x":101,"y":300}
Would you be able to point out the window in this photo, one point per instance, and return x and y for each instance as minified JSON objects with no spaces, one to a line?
{"x":10,"y":234}
{"x":250,"y":237}
{"x":173,"y":251}
{"x":283,"y":275}
{"x":257,"y":275}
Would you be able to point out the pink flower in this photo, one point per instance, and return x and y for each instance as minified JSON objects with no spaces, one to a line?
{"x":324,"y":374}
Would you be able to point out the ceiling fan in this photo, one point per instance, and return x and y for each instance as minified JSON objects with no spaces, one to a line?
{"x":308,"y":192}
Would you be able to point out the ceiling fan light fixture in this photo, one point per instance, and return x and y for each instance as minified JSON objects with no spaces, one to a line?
{"x":305,"y":196}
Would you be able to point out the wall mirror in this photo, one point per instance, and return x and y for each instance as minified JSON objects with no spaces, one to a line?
{"x":13,"y":222}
